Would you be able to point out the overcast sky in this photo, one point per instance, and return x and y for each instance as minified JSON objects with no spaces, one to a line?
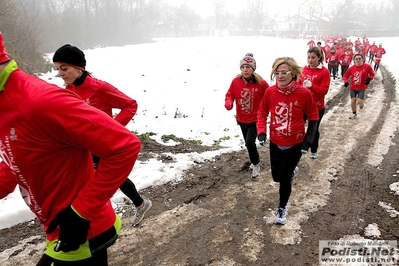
{"x":206,"y":7}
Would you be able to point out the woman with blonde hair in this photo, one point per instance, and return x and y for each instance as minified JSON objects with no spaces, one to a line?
{"x":287,"y":102}
{"x":247,"y":90}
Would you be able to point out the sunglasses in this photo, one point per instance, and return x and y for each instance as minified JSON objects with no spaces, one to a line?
{"x":282,"y":73}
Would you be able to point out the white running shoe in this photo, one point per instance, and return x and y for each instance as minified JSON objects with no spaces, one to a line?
{"x":140,"y":212}
{"x":352,"y":116}
{"x":256,"y":171}
{"x":251,"y":166}
{"x":313,"y":155}
{"x":296,"y":170}
{"x":281,"y":216}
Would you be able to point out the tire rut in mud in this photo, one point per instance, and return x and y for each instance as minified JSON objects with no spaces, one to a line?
{"x":356,"y":194}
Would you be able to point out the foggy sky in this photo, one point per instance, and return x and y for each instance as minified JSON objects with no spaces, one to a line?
{"x":288,"y":7}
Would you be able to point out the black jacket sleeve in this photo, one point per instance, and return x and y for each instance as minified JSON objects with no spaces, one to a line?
{"x":310,"y":135}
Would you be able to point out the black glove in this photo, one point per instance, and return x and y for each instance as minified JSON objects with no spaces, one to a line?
{"x":367,"y":82}
{"x":262,"y":138}
{"x":346,"y":84}
{"x":309,"y":136}
{"x":73,"y":230}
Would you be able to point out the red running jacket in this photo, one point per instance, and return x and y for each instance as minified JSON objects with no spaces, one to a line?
{"x":320,"y":78}
{"x":247,"y":96}
{"x":358,"y":75}
{"x":287,"y":126}
{"x":104,"y":96}
{"x":332,"y":59}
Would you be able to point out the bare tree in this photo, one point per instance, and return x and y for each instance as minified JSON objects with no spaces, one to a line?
{"x":192,"y":20}
{"x":343,"y":17}
{"x":21,"y":24}
{"x":220,"y":13}
{"x":244,"y":20}
{"x":313,"y":11}
{"x":253,"y":17}
{"x":176,"y":20}
{"x":393,"y":14}
{"x":258,"y":14}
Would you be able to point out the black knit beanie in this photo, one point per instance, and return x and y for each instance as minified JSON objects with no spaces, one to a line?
{"x":71,"y":55}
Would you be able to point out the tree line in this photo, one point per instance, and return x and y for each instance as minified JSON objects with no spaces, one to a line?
{"x":34,"y":27}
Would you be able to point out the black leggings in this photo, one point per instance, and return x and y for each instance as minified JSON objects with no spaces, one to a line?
{"x":371,"y":58}
{"x":315,"y":144}
{"x":283,"y":163}
{"x":249,"y":133}
{"x":376,"y":66}
{"x":343,"y":70}
{"x":334,"y":70}
{"x":128,"y":188}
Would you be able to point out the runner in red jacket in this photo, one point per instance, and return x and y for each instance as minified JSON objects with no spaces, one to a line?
{"x":360,"y":74}
{"x":247,"y":90}
{"x":47,"y":135}
{"x":371,"y":52}
{"x":378,"y":56}
{"x":333,"y":61}
{"x":363,"y":52}
{"x":345,"y":60}
{"x":287,"y":102}
{"x":316,"y":78}
{"x":311,"y":43}
{"x":71,"y":63}
{"x":322,"y":49}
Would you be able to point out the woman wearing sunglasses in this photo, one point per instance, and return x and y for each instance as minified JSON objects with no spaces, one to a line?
{"x":287,"y":102}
